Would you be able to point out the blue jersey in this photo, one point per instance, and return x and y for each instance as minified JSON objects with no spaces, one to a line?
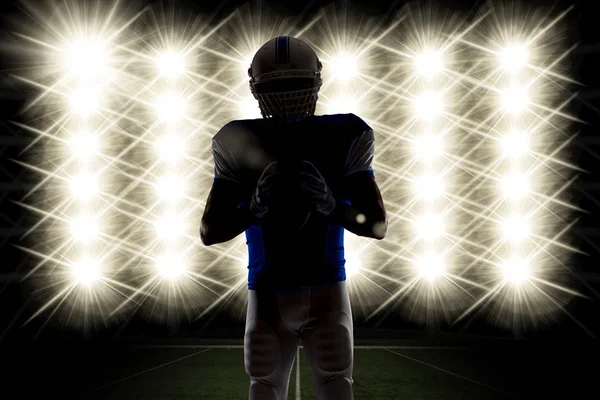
{"x":338,"y":145}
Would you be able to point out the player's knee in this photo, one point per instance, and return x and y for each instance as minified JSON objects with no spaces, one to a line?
{"x":261,"y":349}
{"x":333,"y":341}
{"x":262,"y":391}
{"x":338,"y":382}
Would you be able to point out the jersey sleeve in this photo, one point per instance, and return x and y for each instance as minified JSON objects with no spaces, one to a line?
{"x":360,"y":154}
{"x":226,"y":166}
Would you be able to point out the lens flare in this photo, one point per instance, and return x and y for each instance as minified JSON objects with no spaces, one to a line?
{"x":429,"y":187}
{"x":515,"y":144}
{"x":344,"y":66}
{"x":516,"y":271}
{"x":428,"y":105}
{"x":171,"y":266}
{"x":171,"y":64}
{"x":513,"y":57}
{"x":84,"y":228}
{"x":429,"y":63}
{"x":430,"y":267}
{"x":84,"y":145}
{"x":86,"y":272}
{"x":515,"y":100}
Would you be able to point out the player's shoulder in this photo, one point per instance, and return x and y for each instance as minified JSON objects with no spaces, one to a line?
{"x":240,"y":131}
{"x":348,"y":123}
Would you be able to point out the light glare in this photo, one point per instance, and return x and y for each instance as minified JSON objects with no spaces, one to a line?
{"x":515,"y":144}
{"x":516,"y":271}
{"x":515,"y":100}
{"x":84,"y":186}
{"x":170,"y":266}
{"x":171,"y":64}
{"x":86,"y":57}
{"x":430,"y":267}
{"x":170,"y":226}
{"x":352,"y":265}
{"x":84,"y":101}
{"x":86,"y":272}
{"x":428,"y":187}
{"x":428,"y":63}
{"x":515,"y":186}
{"x":344,"y":66}
{"x":428,"y":146}
{"x":429,"y":226}
{"x":84,"y":145}
{"x":171,"y":148}
{"x":515,"y":228}
{"x":170,"y":108}
{"x":170,"y":188}
{"x":342,"y":104}
{"x":513,"y":57}
{"x":428,"y":105}
{"x":249,"y":109}
{"x":84,"y":228}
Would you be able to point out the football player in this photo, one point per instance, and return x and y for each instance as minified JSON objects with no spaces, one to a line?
{"x":293,"y":181}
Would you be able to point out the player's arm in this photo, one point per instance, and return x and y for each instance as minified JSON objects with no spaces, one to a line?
{"x":365,"y":216}
{"x":226,"y":214}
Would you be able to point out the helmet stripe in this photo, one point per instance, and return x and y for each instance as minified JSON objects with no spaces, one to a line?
{"x":282,"y":50}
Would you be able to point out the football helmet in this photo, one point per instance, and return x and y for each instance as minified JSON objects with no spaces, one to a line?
{"x":285,"y":78}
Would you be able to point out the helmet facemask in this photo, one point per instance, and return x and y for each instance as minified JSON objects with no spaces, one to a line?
{"x":287,"y":99}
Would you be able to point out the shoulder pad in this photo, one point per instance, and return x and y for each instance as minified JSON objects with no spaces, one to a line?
{"x":350,"y":124}
{"x":235,"y":133}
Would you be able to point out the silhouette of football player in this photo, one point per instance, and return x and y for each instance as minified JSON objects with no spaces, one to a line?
{"x":293,"y":181}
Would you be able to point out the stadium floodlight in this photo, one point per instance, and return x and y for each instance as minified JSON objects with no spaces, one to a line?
{"x":344,"y":66}
{"x":428,"y":105}
{"x":170,"y":188}
{"x":352,"y":265}
{"x":515,"y":186}
{"x":84,"y":101}
{"x":84,"y":145}
{"x":86,"y":57}
{"x":246,"y":63}
{"x":430,"y":267}
{"x":429,"y":63}
{"x":248,"y":108}
{"x":171,"y":148}
{"x":513,"y":57}
{"x":342,"y":104}
{"x":170,"y":266}
{"x":170,"y":226}
{"x":515,"y":99}
{"x":84,"y":228}
{"x":428,"y":146}
{"x":170,"y":107}
{"x":428,"y":187}
{"x":515,"y":144}
{"x":86,"y":272}
{"x":84,"y":186}
{"x":171,"y":64}
{"x":429,"y":226}
{"x":516,"y":270}
{"x":515,"y":228}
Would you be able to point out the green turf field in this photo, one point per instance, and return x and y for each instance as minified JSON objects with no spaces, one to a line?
{"x":408,"y":372}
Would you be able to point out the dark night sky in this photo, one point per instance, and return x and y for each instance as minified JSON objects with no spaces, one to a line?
{"x":585,"y":60}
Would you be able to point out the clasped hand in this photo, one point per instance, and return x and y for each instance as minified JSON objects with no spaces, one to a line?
{"x":276,"y":185}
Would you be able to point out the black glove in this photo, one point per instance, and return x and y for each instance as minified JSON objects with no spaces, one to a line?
{"x":268,"y":186}
{"x":314,"y":189}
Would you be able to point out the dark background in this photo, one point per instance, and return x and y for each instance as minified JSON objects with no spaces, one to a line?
{"x":574,"y":347}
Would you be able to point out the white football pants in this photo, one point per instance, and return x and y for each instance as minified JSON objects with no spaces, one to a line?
{"x":321,"y":316}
